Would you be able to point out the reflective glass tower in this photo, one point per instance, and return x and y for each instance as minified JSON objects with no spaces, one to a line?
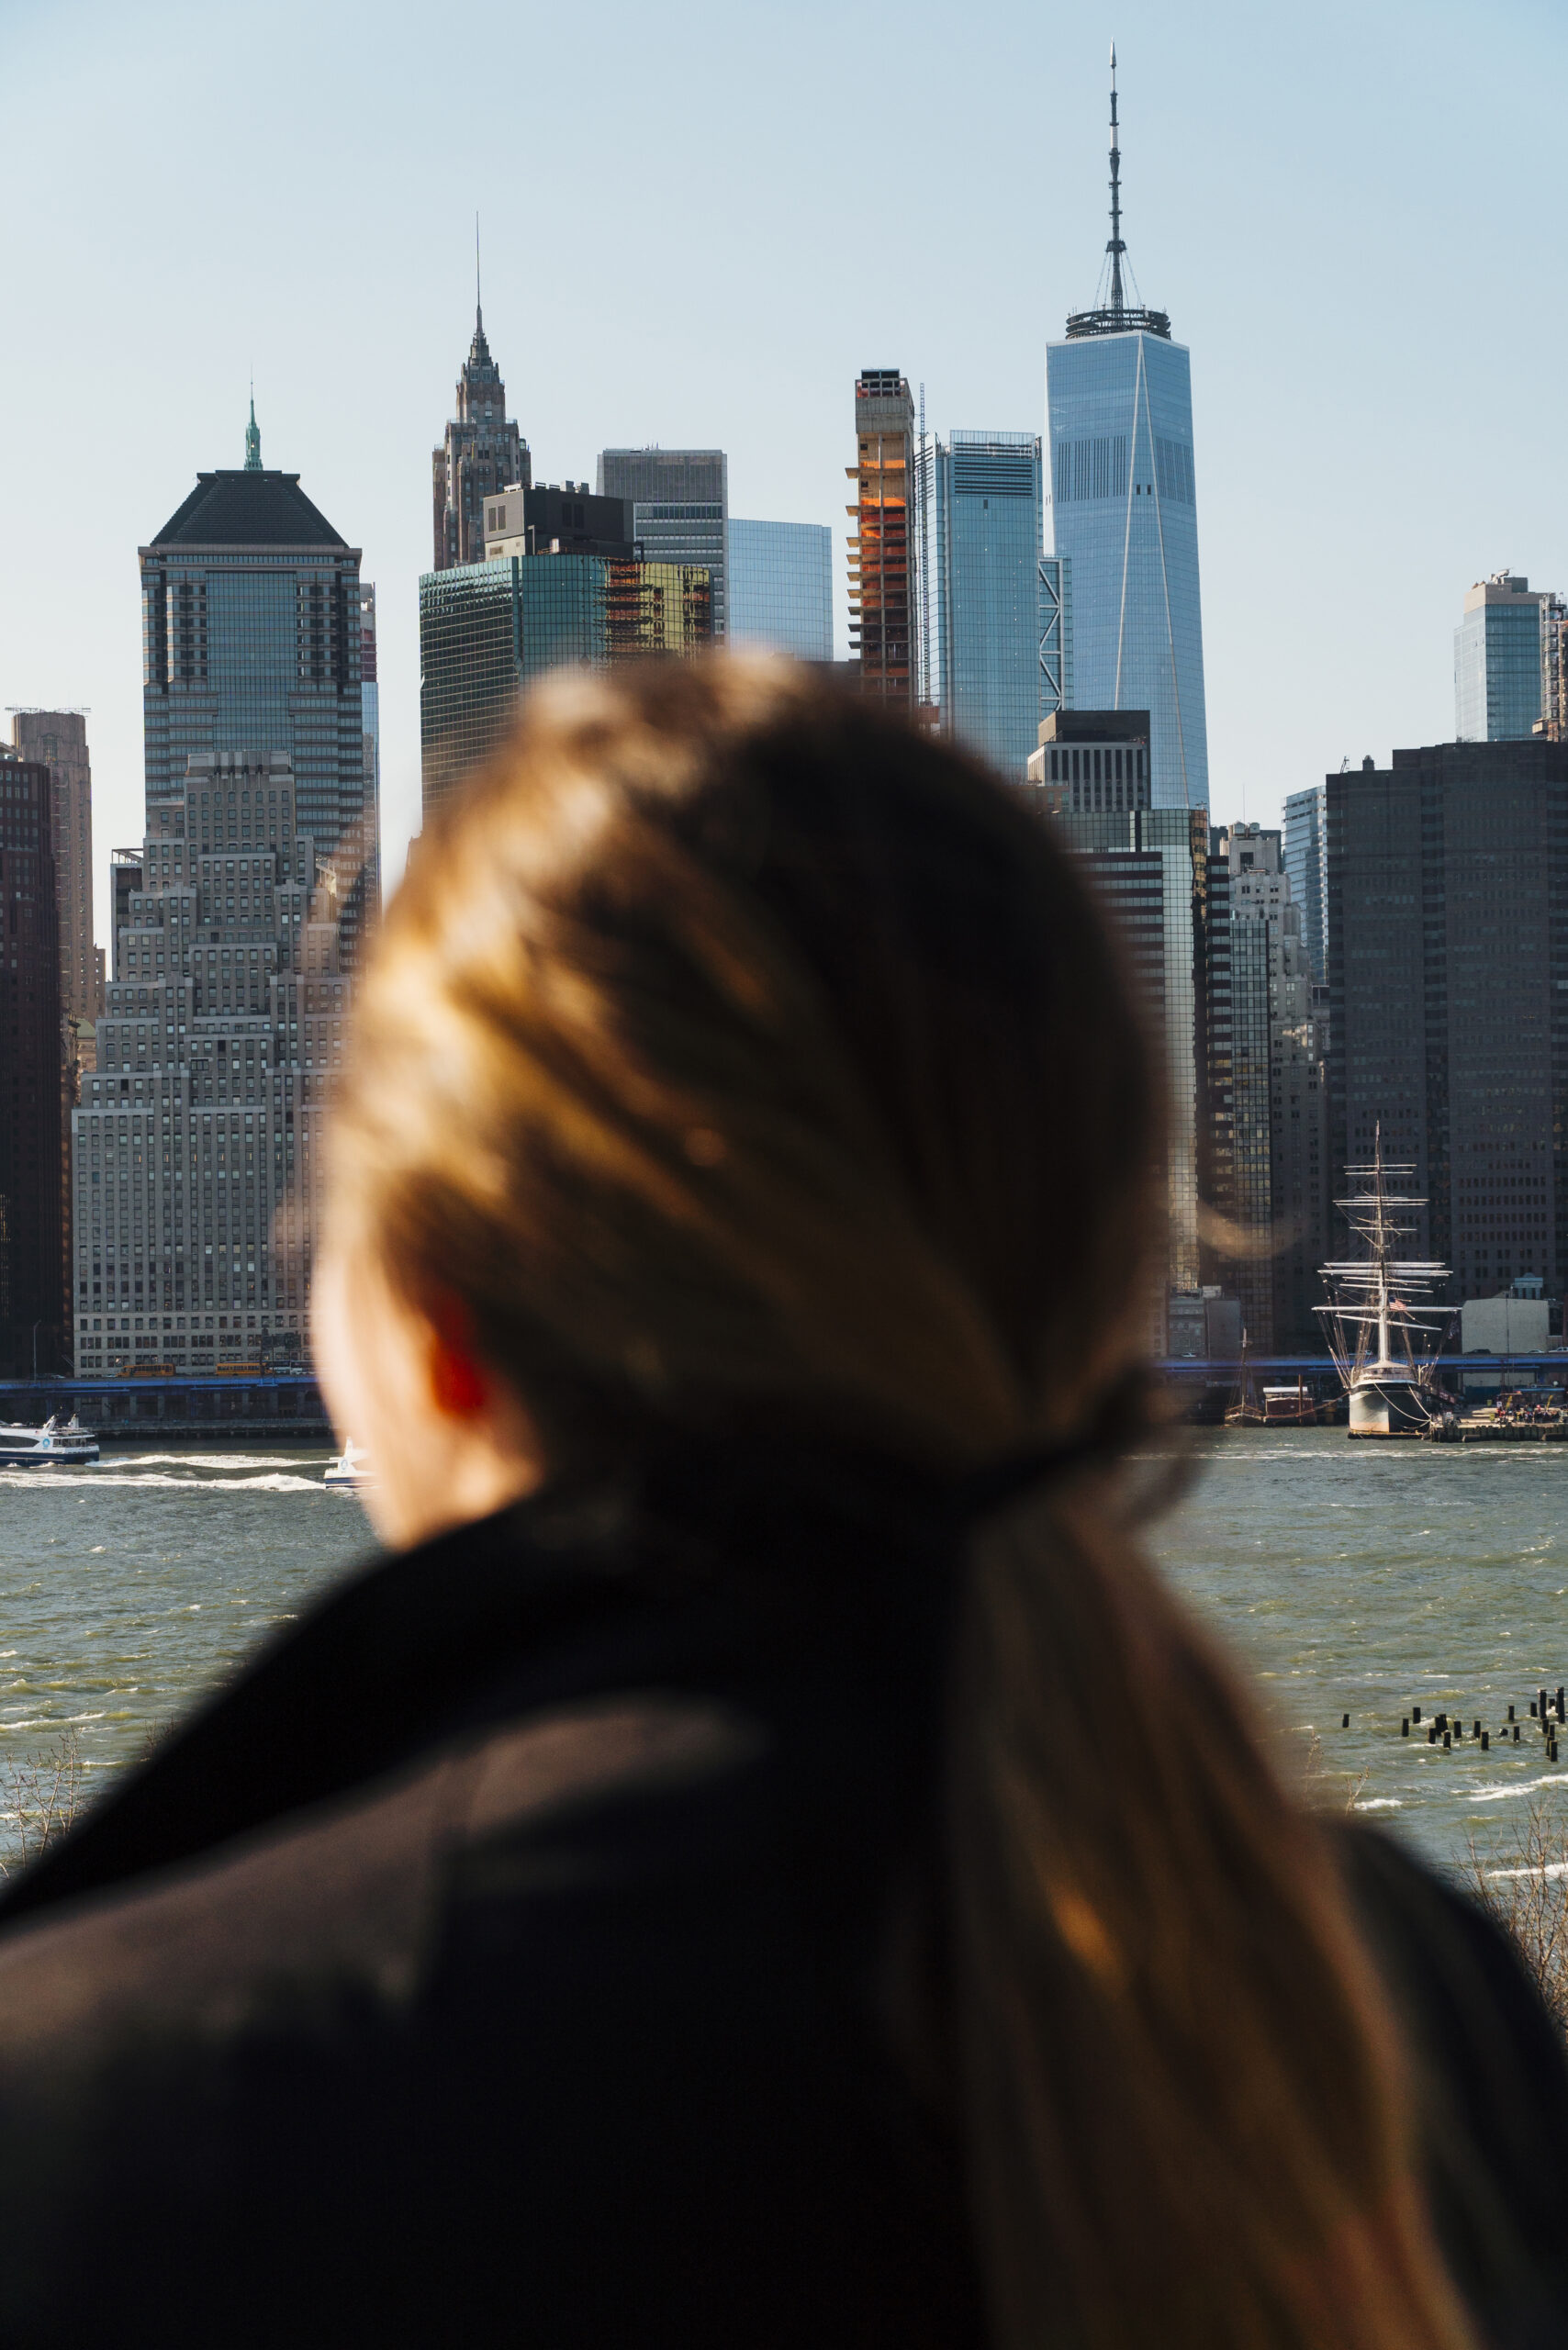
{"x":982,"y":579}
{"x":1500,"y":659}
{"x":780,"y":588}
{"x":1121,"y":499}
{"x":252,"y":644}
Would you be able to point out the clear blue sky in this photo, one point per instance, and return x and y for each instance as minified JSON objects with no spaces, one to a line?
{"x":702,"y":220}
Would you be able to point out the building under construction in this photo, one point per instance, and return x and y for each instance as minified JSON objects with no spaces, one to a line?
{"x":882,"y":614}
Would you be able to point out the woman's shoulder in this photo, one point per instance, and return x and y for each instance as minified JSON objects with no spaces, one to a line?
{"x":1488,"y":2078}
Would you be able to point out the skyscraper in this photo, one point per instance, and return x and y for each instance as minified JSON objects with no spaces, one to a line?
{"x":1448,"y":966}
{"x":1091,"y":763}
{"x":1553,"y":720}
{"x":780,"y":588}
{"x":1123,"y":516}
{"x":486,"y":628}
{"x":1151,"y":865}
{"x":1306,"y":860}
{"x":32,"y":1287}
{"x":1278,"y":1192}
{"x":481,"y":452}
{"x":196,"y":1158}
{"x":59,"y":737}
{"x":981,"y":570}
{"x":681,"y":500}
{"x":251,"y":643}
{"x":366,"y":884}
{"x":1500,"y":658}
{"x":882,"y":587}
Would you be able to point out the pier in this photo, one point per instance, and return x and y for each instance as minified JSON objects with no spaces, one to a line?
{"x":284,"y":1405}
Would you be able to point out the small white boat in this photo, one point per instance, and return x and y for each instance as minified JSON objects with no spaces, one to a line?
{"x":351,"y":1472}
{"x":53,"y":1446}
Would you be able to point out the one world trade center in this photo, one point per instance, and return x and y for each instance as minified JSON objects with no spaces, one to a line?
{"x":1123,"y":517}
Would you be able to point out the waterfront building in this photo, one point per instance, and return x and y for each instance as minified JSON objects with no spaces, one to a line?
{"x":59,"y":737}
{"x":1122,"y":509}
{"x":481,"y":450}
{"x":780,"y":588}
{"x":1500,"y":656}
{"x":980,"y":591}
{"x":883,"y":589}
{"x":1448,"y":974}
{"x":1306,"y":860}
{"x":680,"y":501}
{"x":197,"y":1150}
{"x":252,"y":639}
{"x":486,"y":629}
{"x":32,"y":1074}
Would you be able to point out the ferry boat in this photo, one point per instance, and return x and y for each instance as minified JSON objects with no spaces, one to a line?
{"x":351,"y":1472}
{"x":51,"y":1446}
{"x":1373,"y":1320}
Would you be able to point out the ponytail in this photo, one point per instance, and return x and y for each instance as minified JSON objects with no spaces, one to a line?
{"x":1179,"y":2079}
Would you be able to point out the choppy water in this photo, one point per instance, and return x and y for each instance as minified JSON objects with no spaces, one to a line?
{"x":127,"y":1589}
{"x":1369,"y":1578}
{"x":1356,"y":1579}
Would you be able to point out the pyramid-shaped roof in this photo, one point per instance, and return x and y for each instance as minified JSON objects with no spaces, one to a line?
{"x":248,"y":510}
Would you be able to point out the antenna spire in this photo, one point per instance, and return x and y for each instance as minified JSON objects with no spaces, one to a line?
{"x":478,"y":303}
{"x":252,"y":437}
{"x":1115,"y":247}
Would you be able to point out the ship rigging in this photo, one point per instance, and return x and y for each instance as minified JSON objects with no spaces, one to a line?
{"x":1376,"y":1321}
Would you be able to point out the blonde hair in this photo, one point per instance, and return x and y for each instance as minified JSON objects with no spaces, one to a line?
{"x":738,"y":1058}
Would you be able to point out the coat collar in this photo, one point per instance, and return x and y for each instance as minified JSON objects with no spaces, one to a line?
{"x":693,"y":1559}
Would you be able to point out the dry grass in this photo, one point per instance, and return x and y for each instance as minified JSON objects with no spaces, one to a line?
{"x":39,"y":1801}
{"x":1520,"y":1879}
{"x":1327,"y":1790}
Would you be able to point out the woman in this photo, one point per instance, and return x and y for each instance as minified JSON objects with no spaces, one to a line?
{"x":762,"y":1862}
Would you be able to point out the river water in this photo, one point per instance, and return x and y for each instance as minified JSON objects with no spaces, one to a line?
{"x":1358,"y":1579}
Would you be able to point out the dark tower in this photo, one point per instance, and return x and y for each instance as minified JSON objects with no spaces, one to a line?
{"x":481,"y":453}
{"x":32,"y":1268}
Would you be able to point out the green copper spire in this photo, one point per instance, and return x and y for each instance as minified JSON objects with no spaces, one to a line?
{"x":252,"y":442}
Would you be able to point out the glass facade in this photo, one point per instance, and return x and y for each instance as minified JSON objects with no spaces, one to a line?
{"x":1122,"y":501}
{"x":1305,"y":861}
{"x":981,"y":568}
{"x":681,"y":499}
{"x":486,"y":628}
{"x":780,"y":588}
{"x":252,"y":644}
{"x":1499,"y":655}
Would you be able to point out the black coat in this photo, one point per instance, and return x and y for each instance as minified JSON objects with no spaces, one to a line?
{"x":502,"y":1957}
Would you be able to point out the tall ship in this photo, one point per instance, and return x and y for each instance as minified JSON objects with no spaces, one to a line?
{"x":1381,"y":1311}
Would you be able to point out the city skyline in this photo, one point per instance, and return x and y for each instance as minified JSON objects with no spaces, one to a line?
{"x":1293,"y":342}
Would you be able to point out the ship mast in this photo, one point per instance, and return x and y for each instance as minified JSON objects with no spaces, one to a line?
{"x":1374,"y":1294}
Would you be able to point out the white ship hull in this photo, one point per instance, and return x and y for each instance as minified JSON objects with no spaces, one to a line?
{"x":1387,"y":1404}
{"x":51,"y":1446}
